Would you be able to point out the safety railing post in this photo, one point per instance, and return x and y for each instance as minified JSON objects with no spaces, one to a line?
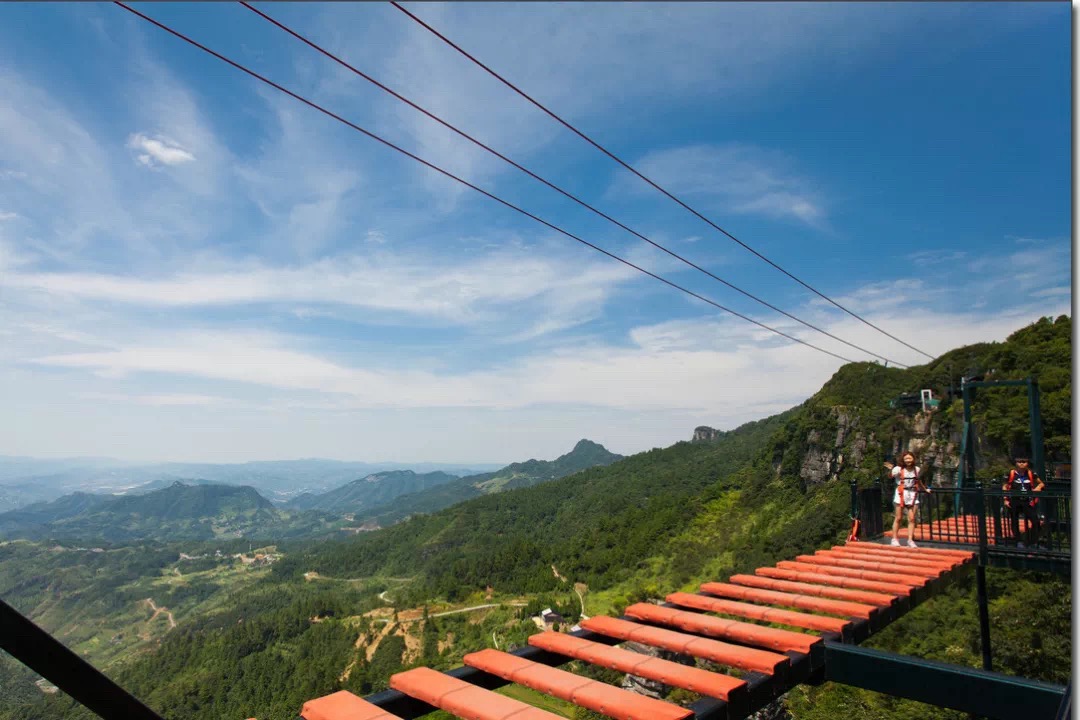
{"x":980,"y":509}
{"x":995,"y":513}
{"x":980,"y":581}
{"x":854,"y":500}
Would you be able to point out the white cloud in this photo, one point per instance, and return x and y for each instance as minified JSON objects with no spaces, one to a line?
{"x":734,"y":177}
{"x":7,"y":215}
{"x":711,"y":367}
{"x":158,"y":151}
{"x":937,"y":257}
{"x":954,"y":278}
{"x":566,"y":289}
{"x":1063,"y":291}
{"x":158,"y":400}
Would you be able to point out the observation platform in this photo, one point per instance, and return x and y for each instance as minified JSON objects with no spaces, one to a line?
{"x":750,"y":638}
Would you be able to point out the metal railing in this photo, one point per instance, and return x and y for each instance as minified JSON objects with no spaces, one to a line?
{"x":992,"y":518}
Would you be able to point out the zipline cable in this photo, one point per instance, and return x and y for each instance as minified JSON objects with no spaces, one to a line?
{"x":626,"y":165}
{"x":548,"y":183}
{"x":436,"y":168}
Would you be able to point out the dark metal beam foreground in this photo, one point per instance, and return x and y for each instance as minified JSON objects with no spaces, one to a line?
{"x":51,"y":659}
{"x":986,"y":694}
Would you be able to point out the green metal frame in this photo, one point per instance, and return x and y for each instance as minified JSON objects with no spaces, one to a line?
{"x":967,"y":444}
{"x":982,"y":693}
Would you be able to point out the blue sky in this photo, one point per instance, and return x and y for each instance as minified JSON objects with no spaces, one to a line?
{"x":196,"y":267}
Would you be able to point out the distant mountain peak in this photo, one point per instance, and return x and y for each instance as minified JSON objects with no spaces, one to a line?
{"x":587,"y":453}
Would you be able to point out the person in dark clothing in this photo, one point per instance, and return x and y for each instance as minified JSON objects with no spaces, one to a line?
{"x":1022,"y":484}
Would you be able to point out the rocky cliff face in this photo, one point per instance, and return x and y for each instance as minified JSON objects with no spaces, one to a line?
{"x":843,"y":441}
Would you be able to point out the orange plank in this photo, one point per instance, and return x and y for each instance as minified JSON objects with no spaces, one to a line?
{"x":343,"y":705}
{"x":811,"y":576}
{"x":723,"y":653}
{"x":596,"y":696}
{"x":828,"y":569}
{"x":463,"y":699}
{"x":803,"y":602}
{"x":941,"y":565}
{"x":903,"y":551}
{"x":654,"y":668}
{"x":959,"y":537}
{"x":759,"y":612}
{"x":915,"y":567}
{"x":741,"y":632}
{"x":929,"y":552}
{"x":868,"y":565}
{"x":858,"y":596}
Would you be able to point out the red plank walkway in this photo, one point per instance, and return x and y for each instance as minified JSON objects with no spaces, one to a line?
{"x":760,"y":634}
{"x":961,"y":529}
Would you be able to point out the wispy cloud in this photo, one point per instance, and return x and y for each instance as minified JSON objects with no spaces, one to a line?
{"x":677,"y":50}
{"x":565,"y":289}
{"x":158,"y":400}
{"x":734,"y":177}
{"x":698,"y":365}
{"x":1013,"y":282}
{"x":937,"y":257}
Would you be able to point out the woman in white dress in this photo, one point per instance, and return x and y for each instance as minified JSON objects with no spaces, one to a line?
{"x":908,"y":485}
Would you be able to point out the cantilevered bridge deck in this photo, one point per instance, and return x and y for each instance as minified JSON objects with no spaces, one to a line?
{"x":758,"y":635}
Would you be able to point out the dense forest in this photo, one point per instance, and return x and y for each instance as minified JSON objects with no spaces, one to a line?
{"x":260,"y":642}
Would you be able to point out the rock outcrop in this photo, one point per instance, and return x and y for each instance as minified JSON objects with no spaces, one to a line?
{"x":704,"y":433}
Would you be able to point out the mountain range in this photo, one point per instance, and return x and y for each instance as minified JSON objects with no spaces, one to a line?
{"x":177,"y":512}
{"x":204,"y":510}
{"x":25,"y":480}
{"x":586,"y":454}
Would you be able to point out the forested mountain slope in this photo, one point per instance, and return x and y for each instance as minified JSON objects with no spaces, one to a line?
{"x":371,"y":491}
{"x":586,"y":454}
{"x":654,"y":522}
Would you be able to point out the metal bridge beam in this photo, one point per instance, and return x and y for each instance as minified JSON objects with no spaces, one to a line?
{"x":983,"y":693}
{"x":51,"y":659}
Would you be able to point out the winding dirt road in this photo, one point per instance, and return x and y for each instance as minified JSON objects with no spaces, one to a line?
{"x":158,"y":611}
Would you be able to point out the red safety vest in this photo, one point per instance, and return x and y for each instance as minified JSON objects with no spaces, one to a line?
{"x":1031,"y":479}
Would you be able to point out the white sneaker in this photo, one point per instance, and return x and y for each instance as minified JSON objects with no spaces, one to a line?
{"x":895,"y":542}
{"x":1021,"y":545}
{"x":911,"y":543}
